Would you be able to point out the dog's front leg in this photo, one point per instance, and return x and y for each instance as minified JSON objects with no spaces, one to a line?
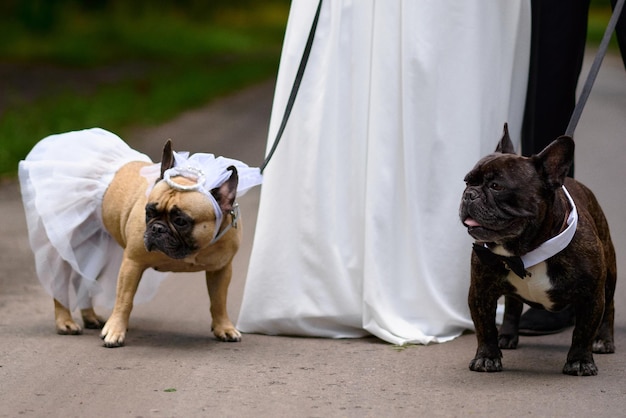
{"x":217,"y":284}
{"x":580,"y":358}
{"x":114,"y":331}
{"x":509,"y":336}
{"x":483,"y":309}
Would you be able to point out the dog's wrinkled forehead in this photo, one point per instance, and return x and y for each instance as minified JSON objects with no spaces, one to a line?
{"x":499,"y":166}
{"x":193,"y":203}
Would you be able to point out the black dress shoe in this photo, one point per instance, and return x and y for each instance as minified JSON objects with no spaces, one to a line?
{"x":539,"y":322}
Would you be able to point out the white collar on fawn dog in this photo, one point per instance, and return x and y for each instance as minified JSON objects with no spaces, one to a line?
{"x":207,"y":172}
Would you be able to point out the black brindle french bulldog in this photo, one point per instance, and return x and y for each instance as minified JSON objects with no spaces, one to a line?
{"x":511,"y":206}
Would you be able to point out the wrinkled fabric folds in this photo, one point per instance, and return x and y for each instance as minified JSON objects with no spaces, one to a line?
{"x":358,"y":231}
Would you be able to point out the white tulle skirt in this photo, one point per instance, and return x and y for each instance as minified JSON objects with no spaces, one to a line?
{"x":358,"y":230}
{"x":63,"y":180}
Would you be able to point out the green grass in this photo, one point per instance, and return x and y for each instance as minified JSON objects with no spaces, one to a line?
{"x":187,"y":62}
{"x":150,"y":101}
{"x":79,"y":38}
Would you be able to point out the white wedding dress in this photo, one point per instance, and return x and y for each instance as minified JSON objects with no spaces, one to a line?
{"x":358,"y":231}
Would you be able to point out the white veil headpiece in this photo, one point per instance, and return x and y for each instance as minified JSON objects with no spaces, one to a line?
{"x":208,"y":173}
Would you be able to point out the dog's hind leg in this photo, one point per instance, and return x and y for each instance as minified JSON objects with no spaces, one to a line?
{"x":603,"y":342}
{"x":588,"y":318}
{"x":63,"y":320}
{"x":91,"y":320}
{"x":65,"y":324}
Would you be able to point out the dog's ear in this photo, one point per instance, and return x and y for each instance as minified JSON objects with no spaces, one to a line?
{"x":226,"y":193}
{"x":167,"y":161}
{"x":505,"y":146}
{"x":554,"y":162}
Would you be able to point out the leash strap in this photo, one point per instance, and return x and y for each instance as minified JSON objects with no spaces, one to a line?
{"x":595,"y":67}
{"x":296,"y":86}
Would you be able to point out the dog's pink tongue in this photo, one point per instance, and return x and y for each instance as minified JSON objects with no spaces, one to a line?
{"x":470,"y":222}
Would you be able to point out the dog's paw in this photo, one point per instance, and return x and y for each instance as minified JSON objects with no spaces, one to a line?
{"x":67,"y":326}
{"x":601,"y":346}
{"x":113,"y":333}
{"x":580,"y":368}
{"x":227,"y":334}
{"x":91,"y":320}
{"x":508,"y":342}
{"x":484,"y":364}
{"x":94,"y":323}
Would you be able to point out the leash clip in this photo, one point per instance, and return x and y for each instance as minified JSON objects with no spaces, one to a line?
{"x":234,"y":213}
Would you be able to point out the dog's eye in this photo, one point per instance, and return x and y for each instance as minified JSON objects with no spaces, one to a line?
{"x":151,"y":211}
{"x":180,"y":221}
{"x":496,"y":186}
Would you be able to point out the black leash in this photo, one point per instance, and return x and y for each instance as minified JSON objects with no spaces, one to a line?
{"x":296,"y":86}
{"x":595,"y":67}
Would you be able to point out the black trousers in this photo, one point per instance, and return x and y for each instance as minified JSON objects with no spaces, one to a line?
{"x":558,"y":34}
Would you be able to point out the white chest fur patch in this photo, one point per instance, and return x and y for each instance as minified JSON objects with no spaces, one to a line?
{"x":534,"y":288}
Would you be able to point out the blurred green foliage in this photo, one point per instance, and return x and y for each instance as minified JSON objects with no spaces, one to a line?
{"x":599,"y":15}
{"x":180,"y":54}
{"x":90,"y":32}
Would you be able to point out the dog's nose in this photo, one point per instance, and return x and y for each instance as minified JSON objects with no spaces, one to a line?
{"x":470,"y":194}
{"x":157,"y":228}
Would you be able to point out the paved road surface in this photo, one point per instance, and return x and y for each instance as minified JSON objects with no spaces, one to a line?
{"x":173,"y":367}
